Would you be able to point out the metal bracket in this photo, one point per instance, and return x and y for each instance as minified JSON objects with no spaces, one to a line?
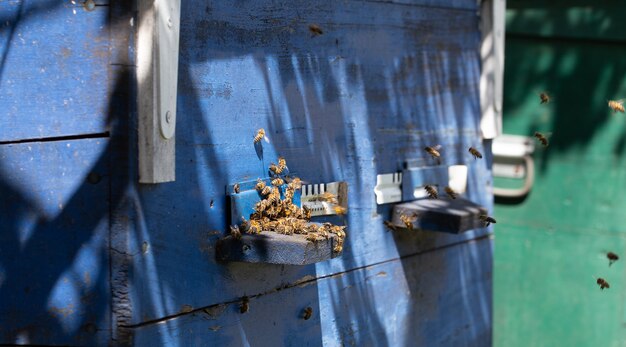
{"x":157,"y":73}
{"x":512,"y":158}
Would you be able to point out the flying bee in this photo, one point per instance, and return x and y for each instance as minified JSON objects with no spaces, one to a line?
{"x":245,"y":305}
{"x":603,"y":283}
{"x":612,"y":257}
{"x":236,"y":188}
{"x":307,"y":313}
{"x":390,"y":225}
{"x":235,"y":232}
{"x":315,"y":30}
{"x":408,"y":220}
{"x":486,"y":219}
{"x":434,"y":152}
{"x":542,"y":138}
{"x":451,"y":193}
{"x":616,"y":105}
{"x":260,"y":135}
{"x":475,"y":153}
{"x":340,"y":210}
{"x":544,"y":97}
{"x":278,"y":182}
{"x":431,"y":191}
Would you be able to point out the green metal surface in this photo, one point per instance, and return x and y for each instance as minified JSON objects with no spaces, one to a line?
{"x":551,"y":247}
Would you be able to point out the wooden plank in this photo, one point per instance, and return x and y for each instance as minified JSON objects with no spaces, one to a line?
{"x":382,"y":82}
{"x":53,"y":74}
{"x":157,"y":79}
{"x":440,"y":298}
{"x":54,"y":208}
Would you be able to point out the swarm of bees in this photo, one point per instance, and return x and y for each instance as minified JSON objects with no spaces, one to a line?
{"x":281,"y":215}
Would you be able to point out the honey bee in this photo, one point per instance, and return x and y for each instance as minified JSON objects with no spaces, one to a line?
{"x":603,"y":283}
{"x":260,"y":184}
{"x":340,"y":210}
{"x":434,"y":152}
{"x":408,"y":220}
{"x":255,"y":227}
{"x":266,"y":190}
{"x":235,"y":232}
{"x":278,"y":182}
{"x":328,"y":197}
{"x":306,"y":213}
{"x":236,"y":188}
{"x":542,"y":138}
{"x":315,"y":30}
{"x":260,"y":135}
{"x":486,"y":219}
{"x":612,"y":257}
{"x":616,"y":105}
{"x":308,"y":312}
{"x":390,"y":225}
{"x":451,"y":193}
{"x":314,"y":237}
{"x":431,"y":191}
{"x":245,"y":305}
{"x":475,"y":153}
{"x":278,"y":169}
{"x":544,"y":97}
{"x":296,"y":183}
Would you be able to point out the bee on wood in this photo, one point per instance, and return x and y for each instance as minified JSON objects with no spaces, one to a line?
{"x":544,"y":97}
{"x":475,"y":153}
{"x":236,"y":188}
{"x":245,"y":305}
{"x":255,"y":227}
{"x":434,"y":152}
{"x":451,"y":193}
{"x":328,"y":197}
{"x":306,"y":213}
{"x":308,"y":312}
{"x":390,"y":225}
{"x":603,"y":283}
{"x":431,"y":191}
{"x":278,"y":169}
{"x":542,"y":138}
{"x":296,"y":183}
{"x":261,"y":206}
{"x":260,"y":184}
{"x":616,"y":105}
{"x":260,"y":135}
{"x":278,"y":182}
{"x":315,"y":30}
{"x":313,"y":237}
{"x":408,"y":220}
{"x":340,"y":210}
{"x":235,"y":232}
{"x":486,"y":219}
{"x":612,"y":258}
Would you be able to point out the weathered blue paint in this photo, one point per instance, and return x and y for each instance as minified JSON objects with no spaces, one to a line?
{"x":383,"y":81}
{"x":53,"y":69}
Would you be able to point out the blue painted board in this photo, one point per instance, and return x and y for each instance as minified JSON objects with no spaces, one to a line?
{"x":54,"y":213}
{"x":438,"y":298}
{"x":379,"y":85}
{"x":54,"y":63}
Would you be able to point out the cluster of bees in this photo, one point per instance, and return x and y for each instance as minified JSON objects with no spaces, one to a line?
{"x":280,"y":214}
{"x":615,"y":106}
{"x":433,"y":193}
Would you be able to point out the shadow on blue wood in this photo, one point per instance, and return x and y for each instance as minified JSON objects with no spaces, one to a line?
{"x":273,"y":248}
{"x":440,"y":215}
{"x":55,"y":197}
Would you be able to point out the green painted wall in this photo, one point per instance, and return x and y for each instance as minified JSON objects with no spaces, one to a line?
{"x":551,"y":246}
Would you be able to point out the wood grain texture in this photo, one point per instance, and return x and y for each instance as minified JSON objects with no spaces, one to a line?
{"x":382,"y":82}
{"x":54,"y":59}
{"x":440,"y":298}
{"x":54,"y":208}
